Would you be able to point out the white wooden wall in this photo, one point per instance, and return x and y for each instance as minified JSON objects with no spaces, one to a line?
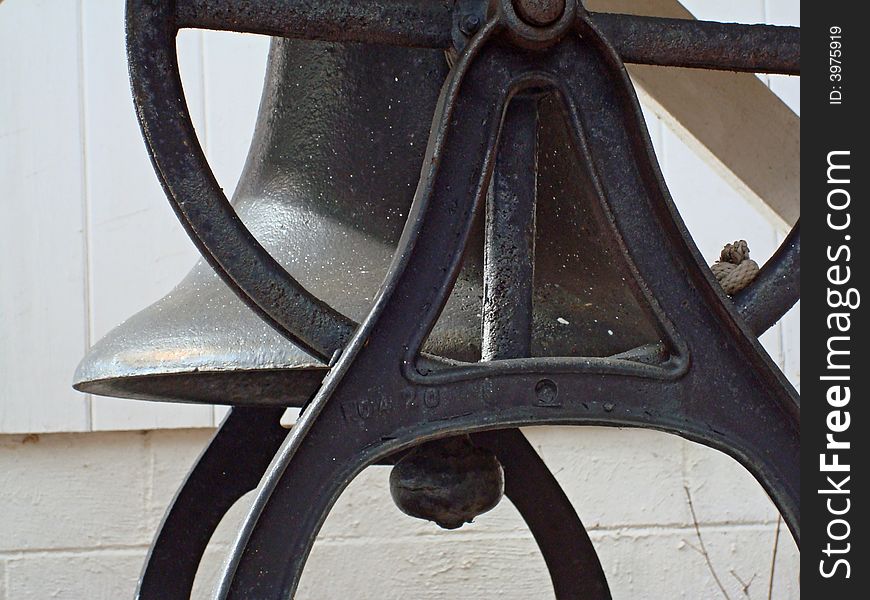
{"x":87,"y":238}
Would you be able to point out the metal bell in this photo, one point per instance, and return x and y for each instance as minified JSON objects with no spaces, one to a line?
{"x":331,"y":172}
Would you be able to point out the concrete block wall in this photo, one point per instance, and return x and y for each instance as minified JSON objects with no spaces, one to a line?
{"x":79,"y":511}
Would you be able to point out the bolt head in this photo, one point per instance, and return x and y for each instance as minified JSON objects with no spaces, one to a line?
{"x":539,"y":13}
{"x":469,"y":24}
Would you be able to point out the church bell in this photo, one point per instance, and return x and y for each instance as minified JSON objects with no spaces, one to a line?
{"x":329,"y":179}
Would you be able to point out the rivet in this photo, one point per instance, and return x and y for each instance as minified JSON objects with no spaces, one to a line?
{"x":469,"y":24}
{"x":546,"y":392}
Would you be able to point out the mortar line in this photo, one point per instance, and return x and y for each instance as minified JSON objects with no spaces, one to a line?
{"x":636,"y":531}
{"x":522,"y":534}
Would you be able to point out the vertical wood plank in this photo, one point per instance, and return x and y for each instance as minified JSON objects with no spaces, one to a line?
{"x":788,"y":12}
{"x":138,"y":250}
{"x":42,"y":295}
{"x":783,"y":12}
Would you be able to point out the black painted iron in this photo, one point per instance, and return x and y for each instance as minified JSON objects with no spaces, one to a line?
{"x":228,"y":468}
{"x":703,"y":377}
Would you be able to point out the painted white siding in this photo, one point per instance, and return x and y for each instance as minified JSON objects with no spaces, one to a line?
{"x":136,"y":251}
{"x":88,"y":238}
{"x":91,"y":236}
{"x":43,"y":300}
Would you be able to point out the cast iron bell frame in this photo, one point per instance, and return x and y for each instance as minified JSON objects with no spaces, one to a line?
{"x":709,"y":381}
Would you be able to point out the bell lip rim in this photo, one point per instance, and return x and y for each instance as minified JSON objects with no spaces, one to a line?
{"x":79,"y":380}
{"x":119,"y":386}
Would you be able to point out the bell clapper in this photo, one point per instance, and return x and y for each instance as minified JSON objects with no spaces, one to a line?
{"x":448,"y":481}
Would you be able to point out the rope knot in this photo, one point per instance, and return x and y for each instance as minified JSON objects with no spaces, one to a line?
{"x":735,"y":270}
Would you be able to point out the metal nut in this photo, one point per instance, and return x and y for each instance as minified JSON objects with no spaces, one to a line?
{"x":539,"y":13}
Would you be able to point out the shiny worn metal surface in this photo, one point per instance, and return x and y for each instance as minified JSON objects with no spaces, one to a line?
{"x":332,"y":167}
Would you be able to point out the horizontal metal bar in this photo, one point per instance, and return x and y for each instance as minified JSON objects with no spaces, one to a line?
{"x":428,"y":24}
{"x":702,"y":44}
{"x":414,"y":23}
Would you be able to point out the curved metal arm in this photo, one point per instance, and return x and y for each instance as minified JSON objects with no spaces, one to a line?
{"x":198,"y":200}
{"x":229,"y":467}
{"x":776,"y":288}
{"x":762,"y":304}
{"x":471,"y":104}
{"x":572,"y":561}
{"x":239,"y":453}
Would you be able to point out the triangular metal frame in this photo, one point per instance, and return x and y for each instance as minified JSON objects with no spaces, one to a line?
{"x":719,"y":389}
